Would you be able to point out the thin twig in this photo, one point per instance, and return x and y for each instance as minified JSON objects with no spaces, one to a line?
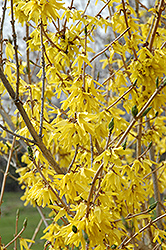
{"x":91,"y":189}
{"x":17,"y":236}
{"x":52,"y":43}
{"x":155,"y":181}
{"x":140,"y":113}
{"x":16,"y":135}
{"x":91,"y":149}
{"x":163,"y":45}
{"x":141,"y":155}
{"x":116,"y":39}
{"x":43,"y":80}
{"x":16,"y":52}
{"x":151,"y":222}
{"x":85,"y":55}
{"x":139,"y":136}
{"x":121,"y":97}
{"x":51,"y":188}
{"x":1,"y":31}
{"x":153,"y":171}
{"x":35,"y":232}
{"x":126,"y":21}
{"x":156,"y":24}
{"x":16,"y":228}
{"x":7,"y":170}
{"x":28,"y":66}
{"x":73,"y":160}
{"x":130,"y":216}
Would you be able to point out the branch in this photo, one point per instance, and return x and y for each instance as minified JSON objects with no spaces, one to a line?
{"x":151,"y":222}
{"x":15,"y":49}
{"x":35,"y":232}
{"x":16,"y":135}
{"x":73,"y":160}
{"x":91,"y":189}
{"x":1,"y":31}
{"x":43,"y":80}
{"x":126,"y":21}
{"x":16,"y":228}
{"x":156,"y":24}
{"x":91,"y":149}
{"x":47,"y":154}
{"x":51,"y":188}
{"x":6,"y":172}
{"x":116,"y":39}
{"x":125,"y":93}
{"x":17,"y":236}
{"x":155,"y":181}
{"x":141,"y":111}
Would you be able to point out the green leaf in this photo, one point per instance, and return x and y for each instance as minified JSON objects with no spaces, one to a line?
{"x":85,"y":236}
{"x":146,"y":111}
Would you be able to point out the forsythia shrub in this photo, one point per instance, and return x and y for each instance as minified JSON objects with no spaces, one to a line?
{"x":96,"y":161}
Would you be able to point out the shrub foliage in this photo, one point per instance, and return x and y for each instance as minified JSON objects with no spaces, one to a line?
{"x":96,"y":160}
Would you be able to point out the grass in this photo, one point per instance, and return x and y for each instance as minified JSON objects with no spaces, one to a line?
{"x":11,"y":203}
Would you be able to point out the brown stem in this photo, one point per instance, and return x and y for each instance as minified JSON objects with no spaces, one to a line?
{"x":91,"y":149}
{"x":54,"y":192}
{"x":16,"y":53}
{"x":17,"y":236}
{"x":28,"y":66}
{"x":140,"y":113}
{"x":153,"y":171}
{"x":126,"y":21}
{"x":116,"y":39}
{"x":47,"y":154}
{"x":16,"y":229}
{"x":35,"y":233}
{"x":7,"y":170}
{"x":155,"y":181}
{"x":84,"y":62}
{"x":144,"y":228}
{"x":43,"y":80}
{"x":125,"y":93}
{"x":156,"y":24}
{"x":73,"y":160}
{"x":139,"y":136}
{"x":1,"y":31}
{"x":20,"y":136}
{"x":92,"y":188}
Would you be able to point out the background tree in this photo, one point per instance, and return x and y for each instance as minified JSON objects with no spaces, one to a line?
{"x":95,"y":161}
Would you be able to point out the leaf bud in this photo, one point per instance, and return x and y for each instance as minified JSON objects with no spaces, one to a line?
{"x":25,"y":223}
{"x":157,"y":82}
{"x":152,"y":206}
{"x":74,"y":229}
{"x":111,"y":125}
{"x":124,"y":145}
{"x":134,"y":110}
{"x":135,"y":82}
{"x":150,"y":144}
{"x":156,"y":114}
